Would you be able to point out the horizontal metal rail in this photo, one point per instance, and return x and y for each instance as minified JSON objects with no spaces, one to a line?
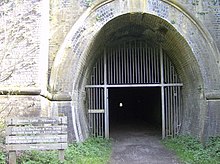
{"x":134,"y":85}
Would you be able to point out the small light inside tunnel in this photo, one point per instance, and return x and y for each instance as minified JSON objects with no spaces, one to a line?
{"x":120,"y":104}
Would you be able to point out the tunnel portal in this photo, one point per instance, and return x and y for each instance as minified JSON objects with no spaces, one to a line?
{"x":133,"y":82}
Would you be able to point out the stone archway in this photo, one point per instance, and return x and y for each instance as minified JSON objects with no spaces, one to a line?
{"x":189,"y":45}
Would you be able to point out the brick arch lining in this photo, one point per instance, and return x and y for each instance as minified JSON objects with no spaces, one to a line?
{"x":186,"y":45}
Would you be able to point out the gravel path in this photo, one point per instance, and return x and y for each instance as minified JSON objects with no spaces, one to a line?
{"x":139,"y":145}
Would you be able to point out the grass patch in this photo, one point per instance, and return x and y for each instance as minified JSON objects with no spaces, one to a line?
{"x":92,"y":151}
{"x":2,"y":157}
{"x":191,"y":151}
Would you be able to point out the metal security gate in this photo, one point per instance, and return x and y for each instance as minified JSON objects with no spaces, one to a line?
{"x":133,"y":64}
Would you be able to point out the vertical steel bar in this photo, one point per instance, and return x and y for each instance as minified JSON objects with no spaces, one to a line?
{"x":102,"y":71}
{"x":130,"y":63}
{"x":122,"y":65}
{"x":106,"y":100}
{"x":144,"y":65}
{"x":170,"y":73}
{"x":89,"y":103}
{"x":150,"y":69}
{"x":108,"y":67}
{"x":99,"y":107}
{"x":162,"y":94}
{"x":106,"y":114}
{"x":171,"y":111}
{"x":165,"y":74}
{"x":92,"y":102}
{"x":91,"y":99}
{"x":96,"y":104}
{"x":112,"y":62}
{"x":99,"y":114}
{"x":116,"y":65}
{"x":96,"y":73}
{"x":128,"y":69}
{"x":141,"y":64}
{"x":109,"y":70}
{"x":152,"y":65}
{"x":98,"y":69}
{"x":179,"y":109}
{"x":111,"y":66}
{"x":166,"y":112}
{"x":147,"y":64}
{"x":155,"y":66}
{"x":175,"y":110}
{"x":119,"y":66}
{"x":125,"y":65}
{"x":135,"y":62}
{"x":102,"y":121}
{"x":166,"y":70}
{"x":138,"y":65}
{"x":93,"y":126}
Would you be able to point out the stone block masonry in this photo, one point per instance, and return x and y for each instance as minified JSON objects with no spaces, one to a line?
{"x":21,"y":67}
{"x":32,"y":33}
{"x":19,"y":43}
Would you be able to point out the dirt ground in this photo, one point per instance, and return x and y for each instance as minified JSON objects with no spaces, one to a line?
{"x":139,"y":144}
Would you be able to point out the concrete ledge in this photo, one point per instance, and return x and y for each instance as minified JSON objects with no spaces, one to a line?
{"x":34,"y":91}
{"x":215,"y":95}
{"x":20,"y":91}
{"x":58,"y":97}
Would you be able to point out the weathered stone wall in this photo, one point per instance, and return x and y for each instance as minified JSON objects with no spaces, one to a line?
{"x":86,"y":37}
{"x":19,"y":43}
{"x":22,"y":55}
{"x":32,"y":32}
{"x":63,"y":14}
{"x":208,"y":12}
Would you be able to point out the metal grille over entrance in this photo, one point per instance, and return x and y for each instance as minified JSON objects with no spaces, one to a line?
{"x":133,"y":64}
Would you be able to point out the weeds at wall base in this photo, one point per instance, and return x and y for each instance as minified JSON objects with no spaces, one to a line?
{"x":191,"y":150}
{"x":93,"y":150}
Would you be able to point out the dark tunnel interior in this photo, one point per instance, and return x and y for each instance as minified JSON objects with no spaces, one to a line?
{"x":135,"y":107}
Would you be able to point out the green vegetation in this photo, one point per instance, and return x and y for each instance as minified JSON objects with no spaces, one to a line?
{"x":191,"y":151}
{"x":92,"y":151}
{"x":2,"y":157}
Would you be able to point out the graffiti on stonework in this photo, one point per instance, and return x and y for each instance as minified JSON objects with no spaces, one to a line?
{"x":86,"y":3}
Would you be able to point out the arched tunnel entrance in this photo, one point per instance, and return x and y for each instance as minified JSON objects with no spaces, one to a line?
{"x":134,"y":83}
{"x":101,"y":35}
